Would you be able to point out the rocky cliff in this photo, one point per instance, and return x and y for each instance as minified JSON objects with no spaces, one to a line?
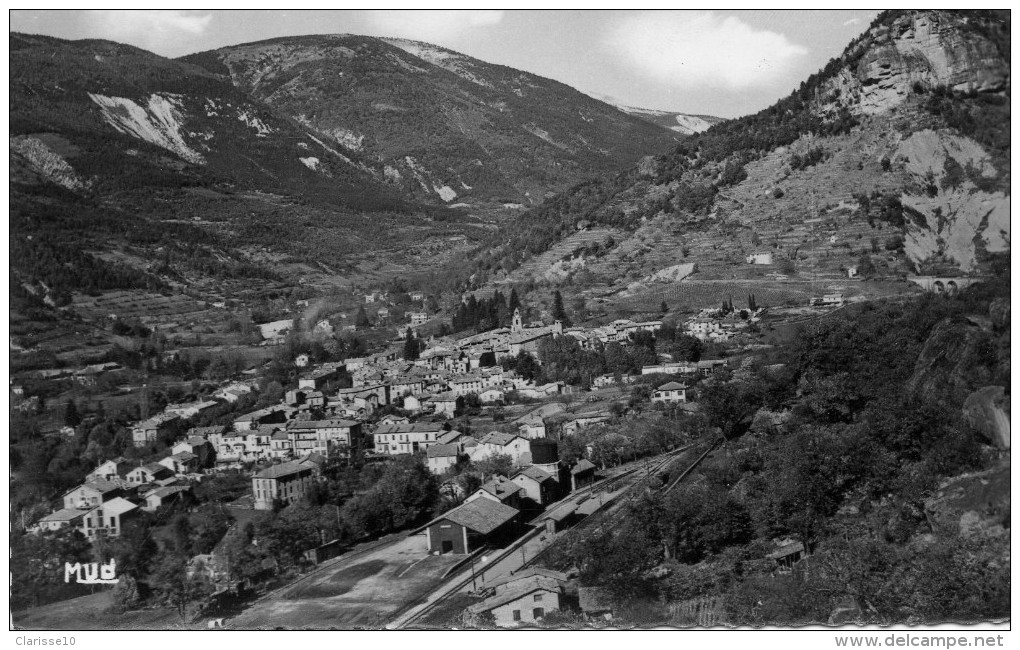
{"x":930,"y":48}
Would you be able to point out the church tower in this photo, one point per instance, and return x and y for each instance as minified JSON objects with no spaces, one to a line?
{"x":516,"y":326}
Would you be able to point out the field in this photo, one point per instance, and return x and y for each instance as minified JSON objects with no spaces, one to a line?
{"x":93,"y":613}
{"x":148,"y":307}
{"x":692,"y":295}
{"x":362,"y":590}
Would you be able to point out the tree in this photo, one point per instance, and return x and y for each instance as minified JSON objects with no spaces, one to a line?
{"x":558,"y":312}
{"x":729,"y":406}
{"x":686,"y":348}
{"x":71,"y":415}
{"x":170,"y":580}
{"x":412,"y":347}
{"x":501,"y":464}
{"x":865,"y":266}
{"x":361,"y":318}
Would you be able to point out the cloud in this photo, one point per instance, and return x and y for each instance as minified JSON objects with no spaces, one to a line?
{"x":702,"y":49}
{"x":852,"y":21}
{"x":161,"y":31}
{"x":431,"y":25}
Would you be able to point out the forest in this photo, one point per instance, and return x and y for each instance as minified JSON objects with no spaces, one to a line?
{"x":875,"y":424}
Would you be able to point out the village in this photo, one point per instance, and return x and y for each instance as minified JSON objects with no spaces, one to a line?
{"x":447,"y":400}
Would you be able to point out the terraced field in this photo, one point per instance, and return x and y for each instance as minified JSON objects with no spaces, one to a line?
{"x":148,"y":307}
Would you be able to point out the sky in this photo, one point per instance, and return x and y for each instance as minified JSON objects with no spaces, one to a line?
{"x":712,"y":62}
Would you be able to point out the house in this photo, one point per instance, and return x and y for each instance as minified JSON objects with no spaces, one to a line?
{"x":281,"y":446}
{"x":410,"y":438}
{"x":233,"y":392}
{"x":502,"y":443}
{"x":759,"y":258}
{"x":108,"y":519}
{"x":317,"y":378}
{"x":501,"y":490}
{"x":393,"y":419}
{"x":163,"y":496}
{"x":448,"y":404}
{"x":531,"y":427}
{"x":149,"y":473}
{"x":521,"y":602}
{"x":788,"y":554}
{"x":117,"y":468}
{"x":418,"y":318}
{"x":197,"y":442}
{"x":63,"y":518}
{"x":470,"y":526}
{"x":324,"y":436}
{"x":183,"y":462}
{"x":851,"y":271}
{"x":705,"y":329}
{"x":287,"y":482}
{"x":491,"y":396}
{"x":253,"y":420}
{"x":412,"y":404}
{"x":188,"y":409}
{"x":539,"y":486}
{"x":833,"y":299}
{"x":581,"y":420}
{"x":93,"y":493}
{"x":582,"y":474}
{"x":442,"y":457}
{"x":670,"y":393}
{"x":146,"y":431}
{"x":323,"y":328}
{"x":539,"y":392}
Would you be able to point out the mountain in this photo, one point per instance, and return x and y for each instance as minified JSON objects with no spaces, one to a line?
{"x":133,"y":171}
{"x":682,"y":123}
{"x":892,"y":161}
{"x":438,"y":123}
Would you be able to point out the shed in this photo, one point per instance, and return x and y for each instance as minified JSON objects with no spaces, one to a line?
{"x":470,"y":526}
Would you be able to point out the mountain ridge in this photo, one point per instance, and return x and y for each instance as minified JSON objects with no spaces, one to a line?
{"x":442,"y":124}
{"x":906,"y":164}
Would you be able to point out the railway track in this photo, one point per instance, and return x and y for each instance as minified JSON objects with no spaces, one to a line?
{"x":605,"y":486}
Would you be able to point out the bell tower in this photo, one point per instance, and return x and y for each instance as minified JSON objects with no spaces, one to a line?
{"x":516,"y":326}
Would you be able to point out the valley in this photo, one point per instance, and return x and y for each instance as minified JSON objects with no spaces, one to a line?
{"x":337,"y":295}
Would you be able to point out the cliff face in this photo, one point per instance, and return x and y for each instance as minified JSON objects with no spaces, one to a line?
{"x":933,"y":48}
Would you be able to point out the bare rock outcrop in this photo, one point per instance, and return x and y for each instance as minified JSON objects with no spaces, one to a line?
{"x":987,"y":411}
{"x":932,"y":48}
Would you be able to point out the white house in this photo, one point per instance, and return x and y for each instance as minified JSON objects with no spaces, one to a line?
{"x":505,"y":444}
{"x":759,"y":258}
{"x":670,"y":393}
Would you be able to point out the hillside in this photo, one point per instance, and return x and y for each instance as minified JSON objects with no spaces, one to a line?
{"x":682,"y":123}
{"x":133,"y":171}
{"x":438,"y":123}
{"x":893,"y":161}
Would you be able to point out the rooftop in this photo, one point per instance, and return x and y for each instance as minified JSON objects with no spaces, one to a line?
{"x":443,"y":451}
{"x":582,"y":465}
{"x":282,"y":470}
{"x":516,"y":592}
{"x":322,"y":424}
{"x":481,"y":515}
{"x":672,"y":386}
{"x":64,"y":514}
